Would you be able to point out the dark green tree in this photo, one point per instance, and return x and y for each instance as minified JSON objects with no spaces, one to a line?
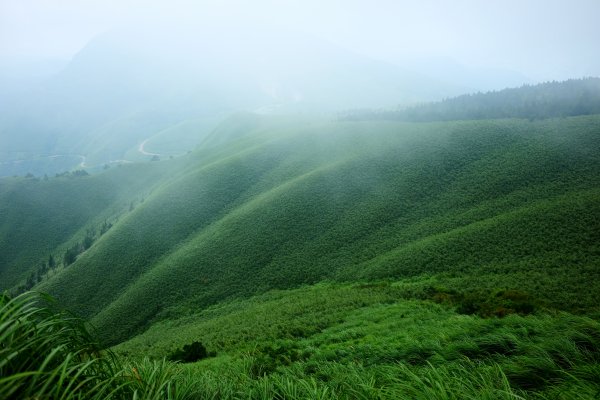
{"x":88,"y":240}
{"x":70,"y":256}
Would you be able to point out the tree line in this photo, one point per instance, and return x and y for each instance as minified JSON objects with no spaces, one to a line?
{"x":39,"y":273}
{"x":546,"y":100}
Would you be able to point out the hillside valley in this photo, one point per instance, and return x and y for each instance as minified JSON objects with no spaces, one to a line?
{"x":299,"y":200}
{"x":313,"y":255}
{"x":283,"y":206}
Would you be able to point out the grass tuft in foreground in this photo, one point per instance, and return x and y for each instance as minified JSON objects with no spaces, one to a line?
{"x":46,"y":354}
{"x":407,"y":349}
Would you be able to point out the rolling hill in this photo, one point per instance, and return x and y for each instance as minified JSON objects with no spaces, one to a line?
{"x":317,"y":257}
{"x":42,"y":216}
{"x":277,"y":203}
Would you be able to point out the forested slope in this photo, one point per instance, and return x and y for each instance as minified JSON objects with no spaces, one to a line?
{"x":546,"y":100}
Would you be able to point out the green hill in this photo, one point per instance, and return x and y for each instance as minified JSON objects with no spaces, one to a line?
{"x":41,"y":217}
{"x":285,"y":202}
{"x":307,"y":257}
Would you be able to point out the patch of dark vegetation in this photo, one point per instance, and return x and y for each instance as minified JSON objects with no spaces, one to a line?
{"x":189,"y":353}
{"x":484,"y":304}
{"x":79,"y":173}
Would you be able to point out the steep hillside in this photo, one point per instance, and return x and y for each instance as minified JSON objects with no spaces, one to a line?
{"x":43,"y":217}
{"x":283,"y":202}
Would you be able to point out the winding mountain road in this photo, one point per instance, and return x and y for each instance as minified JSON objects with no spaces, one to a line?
{"x":147,"y":153}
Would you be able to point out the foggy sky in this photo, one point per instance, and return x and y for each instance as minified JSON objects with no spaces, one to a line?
{"x":543,"y":39}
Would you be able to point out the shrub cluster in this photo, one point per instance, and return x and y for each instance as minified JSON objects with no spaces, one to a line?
{"x":192,"y":352}
{"x":499,"y":303}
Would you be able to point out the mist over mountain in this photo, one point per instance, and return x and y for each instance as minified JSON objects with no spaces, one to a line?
{"x":128,"y":85}
{"x":225,"y":199}
{"x":473,"y":78}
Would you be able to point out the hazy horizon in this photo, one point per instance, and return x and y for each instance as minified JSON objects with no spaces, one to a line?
{"x":540,"y":40}
{"x":91,"y":83}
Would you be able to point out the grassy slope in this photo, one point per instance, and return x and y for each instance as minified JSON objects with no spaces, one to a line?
{"x":373,"y":341}
{"x":39,"y":217}
{"x":286,"y":203}
{"x":328,"y":341}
